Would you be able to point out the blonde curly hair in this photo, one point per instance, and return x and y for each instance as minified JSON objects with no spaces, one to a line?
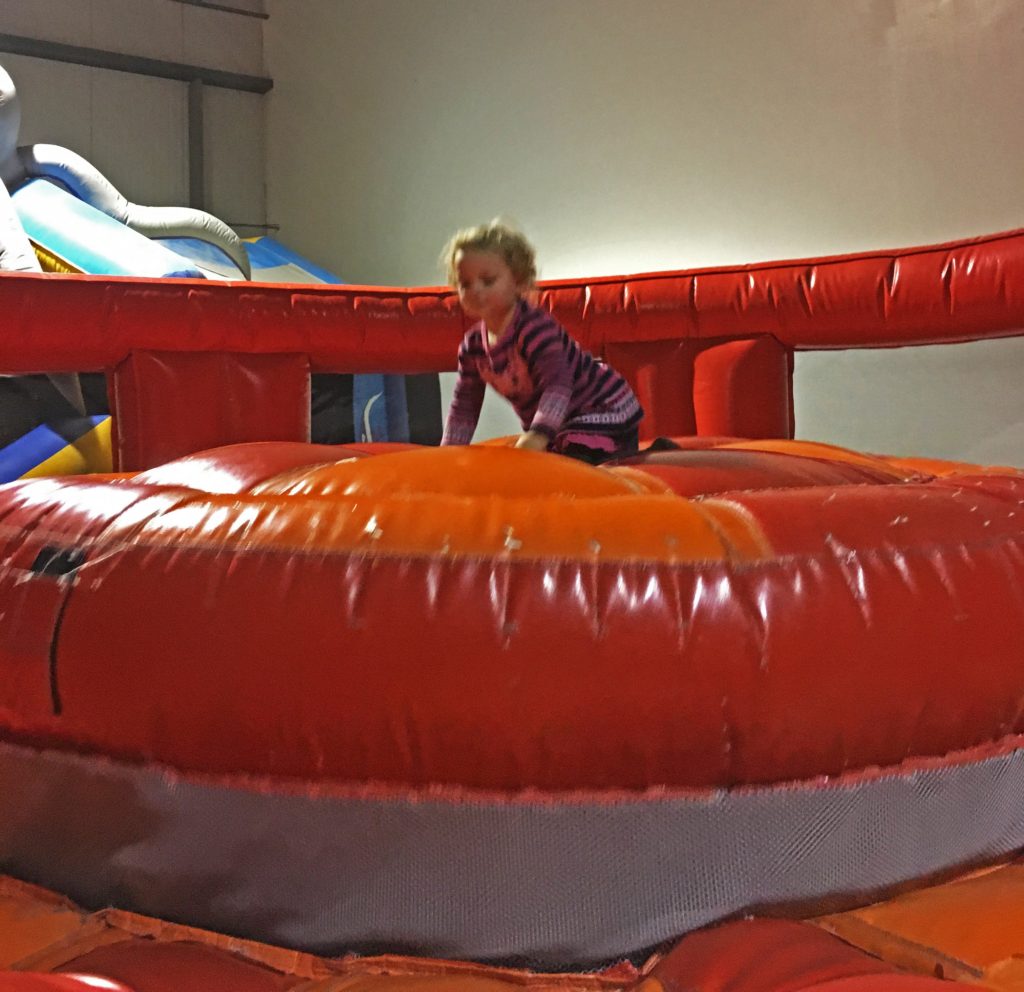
{"x":503,"y":240}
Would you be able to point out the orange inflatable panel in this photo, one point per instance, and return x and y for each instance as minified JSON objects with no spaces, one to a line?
{"x":124,"y":952}
{"x":971,"y":929}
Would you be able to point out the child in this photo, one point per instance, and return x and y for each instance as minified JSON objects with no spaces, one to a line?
{"x":567,"y":400}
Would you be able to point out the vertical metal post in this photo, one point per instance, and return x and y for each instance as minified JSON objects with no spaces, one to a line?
{"x":196,"y":179}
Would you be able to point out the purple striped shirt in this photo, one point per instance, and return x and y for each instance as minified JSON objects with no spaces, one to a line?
{"x":555,"y":386}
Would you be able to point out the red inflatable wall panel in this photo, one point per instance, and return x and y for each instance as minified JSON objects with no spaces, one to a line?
{"x":744,"y":388}
{"x":661,"y":372}
{"x":170,"y":403}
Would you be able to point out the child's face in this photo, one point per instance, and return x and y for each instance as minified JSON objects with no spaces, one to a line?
{"x":487,"y":288}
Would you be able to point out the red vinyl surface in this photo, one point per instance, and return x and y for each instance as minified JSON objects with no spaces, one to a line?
{"x":950,"y":292}
{"x":765,"y":955}
{"x":168,"y":404}
{"x":28,"y":982}
{"x":364,"y":620}
{"x":707,"y":350}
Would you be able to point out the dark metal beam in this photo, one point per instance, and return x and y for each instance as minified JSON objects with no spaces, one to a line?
{"x":226,"y":9}
{"x":98,"y":58}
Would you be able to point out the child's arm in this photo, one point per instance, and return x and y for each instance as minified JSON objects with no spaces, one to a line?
{"x":467,"y":401}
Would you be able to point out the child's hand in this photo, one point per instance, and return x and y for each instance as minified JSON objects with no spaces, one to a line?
{"x":533,"y":440}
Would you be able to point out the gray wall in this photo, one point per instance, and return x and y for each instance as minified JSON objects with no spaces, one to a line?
{"x":630,"y":135}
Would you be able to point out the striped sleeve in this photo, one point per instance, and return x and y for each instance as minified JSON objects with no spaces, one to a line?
{"x":467,"y":400}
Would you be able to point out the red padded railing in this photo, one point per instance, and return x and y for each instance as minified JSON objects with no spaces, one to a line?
{"x":674,"y":334}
